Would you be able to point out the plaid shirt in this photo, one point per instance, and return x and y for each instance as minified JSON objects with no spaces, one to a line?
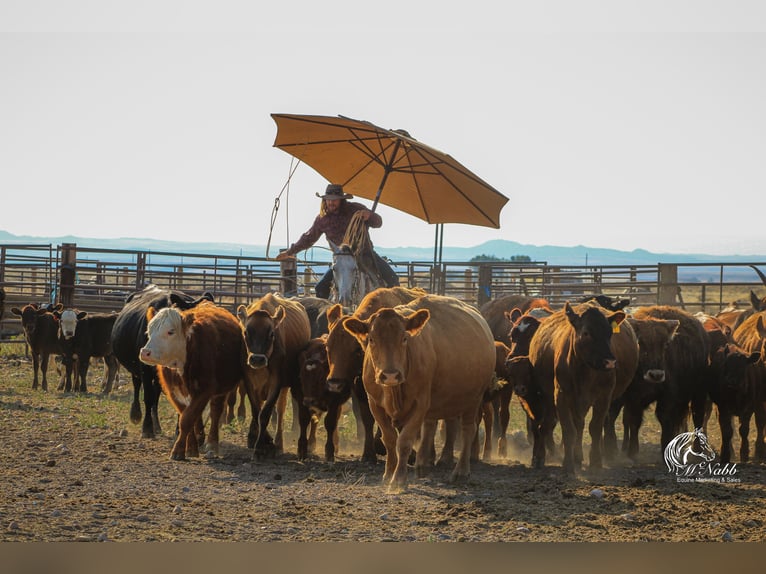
{"x":333,"y":225}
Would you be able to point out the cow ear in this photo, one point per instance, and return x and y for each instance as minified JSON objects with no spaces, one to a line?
{"x":16,"y":311}
{"x":334,"y":314}
{"x":570,"y":313}
{"x":359,"y":329}
{"x":242,"y":314}
{"x":755,"y":301}
{"x":58,"y":307}
{"x":187,"y":320}
{"x":615,"y":319}
{"x":82,"y":315}
{"x":417,"y":321}
{"x":513,"y":315}
{"x":279,"y":316}
{"x":150,"y":313}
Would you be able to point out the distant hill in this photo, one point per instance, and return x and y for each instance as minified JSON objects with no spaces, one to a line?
{"x":551,"y":254}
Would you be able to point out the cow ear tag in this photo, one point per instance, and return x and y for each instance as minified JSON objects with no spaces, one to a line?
{"x":615,"y":327}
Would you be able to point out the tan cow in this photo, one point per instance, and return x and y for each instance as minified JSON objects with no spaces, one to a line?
{"x":431,"y":359}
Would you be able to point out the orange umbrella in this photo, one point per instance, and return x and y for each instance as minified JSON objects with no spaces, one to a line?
{"x":390,"y":166}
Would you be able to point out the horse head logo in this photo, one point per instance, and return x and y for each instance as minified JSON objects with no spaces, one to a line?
{"x":687,"y":449}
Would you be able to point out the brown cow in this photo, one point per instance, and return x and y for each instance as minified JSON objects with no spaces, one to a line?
{"x":654,"y":336}
{"x":41,"y":333}
{"x":275,"y":330}
{"x":575,"y":363}
{"x":495,"y":311}
{"x":685,"y":373}
{"x":345,"y":356}
{"x":750,"y":398}
{"x":200,"y":357}
{"x":431,"y":359}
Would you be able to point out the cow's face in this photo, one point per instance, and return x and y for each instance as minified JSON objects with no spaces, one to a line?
{"x":519,"y":373}
{"x":68,"y":322}
{"x":654,"y":337}
{"x":260,"y":330}
{"x":29,"y":314}
{"x":521,"y":334}
{"x":166,"y":343}
{"x":386,"y":335}
{"x":592,"y":335}
{"x":345,"y":355}
{"x":312,"y":362}
{"x":735,"y":365}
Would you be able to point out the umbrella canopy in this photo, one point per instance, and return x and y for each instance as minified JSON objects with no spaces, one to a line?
{"x":391,"y":167}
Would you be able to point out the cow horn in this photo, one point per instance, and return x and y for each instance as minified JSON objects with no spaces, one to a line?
{"x":760,"y":274}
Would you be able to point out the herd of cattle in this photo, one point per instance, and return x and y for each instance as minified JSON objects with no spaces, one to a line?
{"x":407,"y":360}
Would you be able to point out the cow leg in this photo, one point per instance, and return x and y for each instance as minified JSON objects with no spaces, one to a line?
{"x":312,"y":440}
{"x":135,"y":406}
{"x":565,"y":409}
{"x":488,"y":416}
{"x":186,"y":443}
{"x":359,"y":396}
{"x":760,"y":423}
{"x":356,"y":408}
{"x":35,"y":369}
{"x":727,"y":432}
{"x":304,"y":420}
{"x":463,"y":466}
{"x":388,"y":437}
{"x":503,"y":419}
{"x":44,"y":369}
{"x":596,"y":430}
{"x":331,"y":427}
{"x":610,"y":434}
{"x":241,"y":410}
{"x":82,"y":368}
{"x":216,"y":410}
{"x":451,"y":430}
{"x":152,"y":391}
{"x":264,"y":444}
{"x":112,"y":368}
{"x":744,"y":433}
{"x":423,"y":460}
{"x":231,"y":403}
{"x":250,"y":388}
{"x":407,"y":437}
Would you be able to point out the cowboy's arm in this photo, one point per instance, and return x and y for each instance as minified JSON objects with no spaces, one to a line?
{"x":373,"y":219}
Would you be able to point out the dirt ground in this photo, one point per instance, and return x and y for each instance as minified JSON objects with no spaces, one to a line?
{"x":75,"y":469}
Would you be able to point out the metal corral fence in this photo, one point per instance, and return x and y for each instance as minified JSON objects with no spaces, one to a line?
{"x":93,"y":279}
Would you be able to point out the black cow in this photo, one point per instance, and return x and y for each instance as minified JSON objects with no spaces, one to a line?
{"x":84,"y":335}
{"x":129,"y":336}
{"x":41,"y":332}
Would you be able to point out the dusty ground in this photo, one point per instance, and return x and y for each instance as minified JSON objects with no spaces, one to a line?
{"x":75,"y":469}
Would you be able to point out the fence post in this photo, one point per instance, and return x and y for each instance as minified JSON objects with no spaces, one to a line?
{"x":668,"y":288}
{"x":288,"y":269}
{"x":140,"y":269}
{"x":67,"y":274}
{"x":485,"y":284}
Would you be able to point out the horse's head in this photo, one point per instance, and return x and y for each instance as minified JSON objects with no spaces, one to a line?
{"x":344,"y":271}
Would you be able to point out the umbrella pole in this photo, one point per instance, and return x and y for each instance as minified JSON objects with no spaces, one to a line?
{"x":438,"y":252}
{"x":386,"y":171}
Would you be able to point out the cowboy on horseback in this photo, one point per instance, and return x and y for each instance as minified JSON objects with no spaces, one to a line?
{"x":335,"y":214}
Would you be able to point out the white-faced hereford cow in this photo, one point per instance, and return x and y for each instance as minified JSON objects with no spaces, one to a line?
{"x":431,"y":359}
{"x":84,"y":335}
{"x":575,"y":364}
{"x":200,"y":357}
{"x":41,"y":333}
{"x":275,"y":330}
{"x":345,"y":355}
{"x":129,"y":337}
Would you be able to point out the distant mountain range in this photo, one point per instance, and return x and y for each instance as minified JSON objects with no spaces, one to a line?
{"x":552,"y":255}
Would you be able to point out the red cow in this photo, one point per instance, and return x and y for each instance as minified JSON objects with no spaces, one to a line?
{"x":41,"y":333}
{"x":749,"y":397}
{"x":200,"y":357}
{"x":431,"y":359}
{"x":275,"y":330}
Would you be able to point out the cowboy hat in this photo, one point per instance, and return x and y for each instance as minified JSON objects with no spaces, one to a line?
{"x":335,"y":191}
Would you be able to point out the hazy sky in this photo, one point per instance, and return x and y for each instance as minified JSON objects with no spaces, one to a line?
{"x":607,"y":124}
